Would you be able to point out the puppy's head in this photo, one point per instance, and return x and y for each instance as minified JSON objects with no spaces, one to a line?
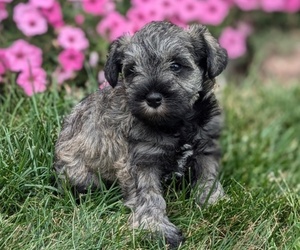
{"x":163,"y":68}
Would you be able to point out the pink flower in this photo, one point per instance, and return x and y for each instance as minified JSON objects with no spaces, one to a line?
{"x":72,"y":38}
{"x":61,"y":75}
{"x":97,"y":7}
{"x":2,"y":68}
{"x":136,"y":16}
{"x":42,"y":3}
{"x":3,"y":12}
{"x":169,"y":7}
{"x":71,"y":59}
{"x":32,"y":23}
{"x":101,"y":77}
{"x":3,"y":61}
{"x":58,"y":24}
{"x":140,"y":15}
{"x":189,"y":10}
{"x":2,"y":65}
{"x":213,"y":12}
{"x":32,"y":80}
{"x":176,"y":20}
{"x":292,"y":5}
{"x":54,"y":15}
{"x":272,"y":5}
{"x":234,"y":41}
{"x":230,"y":3}
{"x":79,"y":19}
{"x":22,"y":56}
{"x":103,"y":83}
{"x":20,"y":9}
{"x":247,"y":4}
{"x":93,"y":59}
{"x":141,"y":2}
{"x":113,"y":25}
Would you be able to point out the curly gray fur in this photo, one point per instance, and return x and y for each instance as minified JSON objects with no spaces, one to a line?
{"x":159,"y":118}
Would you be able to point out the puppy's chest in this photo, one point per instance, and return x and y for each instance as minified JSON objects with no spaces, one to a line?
{"x":171,"y":152}
{"x":180,"y":162}
{"x":183,"y":154}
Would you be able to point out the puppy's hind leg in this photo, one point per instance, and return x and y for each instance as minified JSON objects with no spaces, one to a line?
{"x":76,"y":175}
{"x":78,"y":147}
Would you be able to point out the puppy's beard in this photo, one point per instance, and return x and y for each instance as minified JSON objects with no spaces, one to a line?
{"x":157,"y":117}
{"x":169,"y":114}
{"x":154,"y":114}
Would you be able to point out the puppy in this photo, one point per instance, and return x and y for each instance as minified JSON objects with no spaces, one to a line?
{"x":160,"y":119}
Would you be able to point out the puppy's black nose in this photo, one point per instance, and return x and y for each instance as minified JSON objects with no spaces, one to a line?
{"x":154,"y":99}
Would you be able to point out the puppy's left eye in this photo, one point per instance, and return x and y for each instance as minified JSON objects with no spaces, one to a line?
{"x":175,"y":67}
{"x":129,"y":71}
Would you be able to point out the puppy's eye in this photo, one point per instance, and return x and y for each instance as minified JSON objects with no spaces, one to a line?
{"x":129,"y":71}
{"x":175,"y":67}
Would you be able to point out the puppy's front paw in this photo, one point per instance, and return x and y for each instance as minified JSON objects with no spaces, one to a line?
{"x":209,"y":193}
{"x":159,"y":227}
{"x":174,"y":239}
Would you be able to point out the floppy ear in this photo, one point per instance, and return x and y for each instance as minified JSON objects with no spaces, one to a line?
{"x":206,"y":45}
{"x":113,"y":65}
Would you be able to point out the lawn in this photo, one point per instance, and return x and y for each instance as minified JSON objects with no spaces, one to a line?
{"x":260,"y":174}
{"x":260,"y":142}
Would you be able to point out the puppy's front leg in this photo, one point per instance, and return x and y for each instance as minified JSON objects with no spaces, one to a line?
{"x":206,"y":169}
{"x":209,"y":188}
{"x":148,"y":205}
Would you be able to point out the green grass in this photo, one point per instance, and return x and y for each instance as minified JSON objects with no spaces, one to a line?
{"x":261,"y":176}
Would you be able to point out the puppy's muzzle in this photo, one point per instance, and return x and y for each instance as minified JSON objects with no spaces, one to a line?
{"x":154,"y":99}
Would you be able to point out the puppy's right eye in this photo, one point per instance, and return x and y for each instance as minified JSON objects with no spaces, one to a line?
{"x":129,"y":71}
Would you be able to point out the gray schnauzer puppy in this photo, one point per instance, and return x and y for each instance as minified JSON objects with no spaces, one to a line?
{"x":160,"y":119}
